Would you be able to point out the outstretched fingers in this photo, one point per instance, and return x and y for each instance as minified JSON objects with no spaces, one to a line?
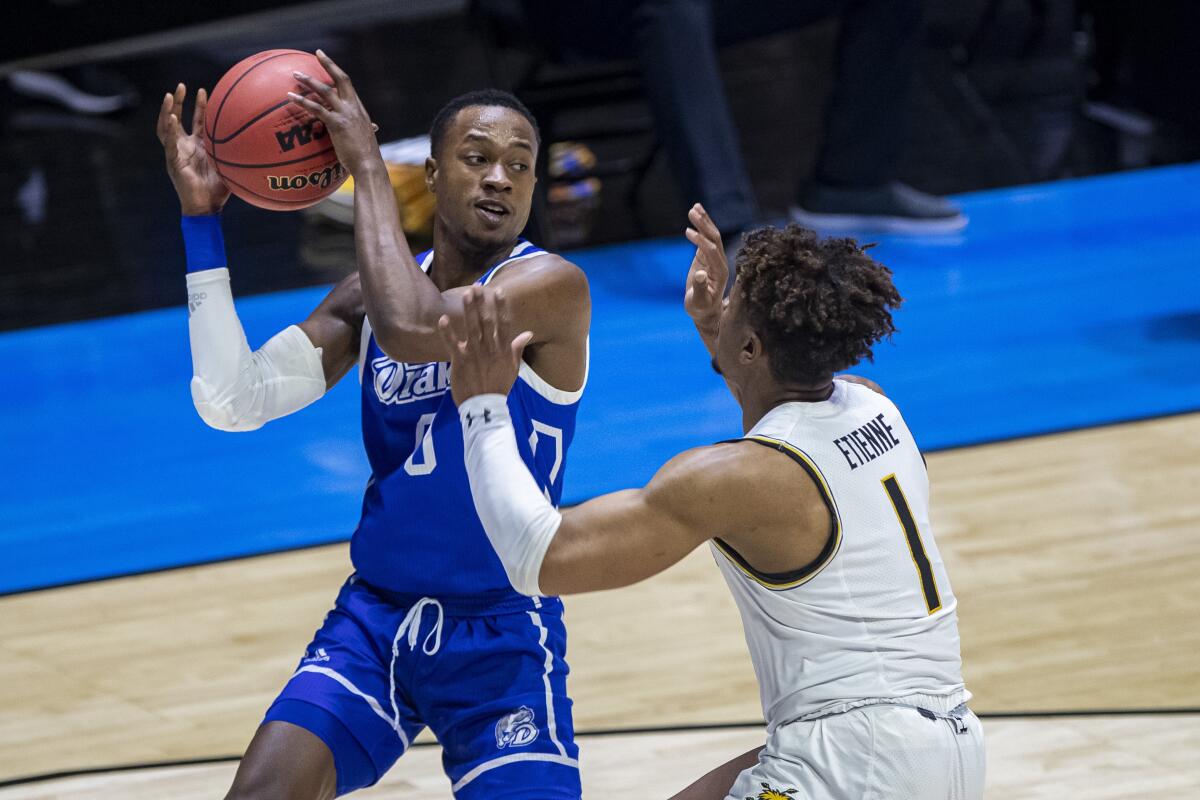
{"x":311,"y":106}
{"x":170,"y":121}
{"x":340,"y":79}
{"x":504,"y":327}
{"x":472,"y":324}
{"x":488,"y":322}
{"x":708,"y":247}
{"x":199,"y":110}
{"x":503,"y":317}
{"x":451,"y":336}
{"x":704,"y":224}
{"x":517,"y":348}
{"x":321,"y":89}
{"x":483,"y":332}
{"x":163,"y":127}
{"x":177,"y":108}
{"x":701,"y":292}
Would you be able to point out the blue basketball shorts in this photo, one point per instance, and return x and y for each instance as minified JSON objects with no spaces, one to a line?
{"x":489,"y":681}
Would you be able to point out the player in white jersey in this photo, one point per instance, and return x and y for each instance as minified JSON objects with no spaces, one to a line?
{"x":818,"y":518}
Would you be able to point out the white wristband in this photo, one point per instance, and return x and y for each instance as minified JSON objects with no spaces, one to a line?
{"x":518,"y":519}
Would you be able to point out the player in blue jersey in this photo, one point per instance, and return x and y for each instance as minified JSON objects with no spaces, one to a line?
{"x":428,"y":631}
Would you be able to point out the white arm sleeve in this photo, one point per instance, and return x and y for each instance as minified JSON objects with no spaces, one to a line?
{"x":519,"y":520}
{"x":234,"y":389}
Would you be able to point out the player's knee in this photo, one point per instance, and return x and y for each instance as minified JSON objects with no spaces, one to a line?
{"x":258,"y":787}
{"x":273,"y":782}
{"x":284,"y":762}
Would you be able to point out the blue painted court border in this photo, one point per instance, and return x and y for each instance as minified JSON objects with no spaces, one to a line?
{"x":1062,"y":305}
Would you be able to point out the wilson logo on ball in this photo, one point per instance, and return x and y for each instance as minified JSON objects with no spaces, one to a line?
{"x":299,"y":135}
{"x":270,"y":153}
{"x":321,"y":178}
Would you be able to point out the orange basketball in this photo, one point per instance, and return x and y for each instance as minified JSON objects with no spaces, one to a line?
{"x":272,"y":153}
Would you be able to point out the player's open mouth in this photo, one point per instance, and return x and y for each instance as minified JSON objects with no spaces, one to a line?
{"x":491,"y":211}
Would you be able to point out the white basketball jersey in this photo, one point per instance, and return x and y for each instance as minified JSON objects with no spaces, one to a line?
{"x":873,"y":618}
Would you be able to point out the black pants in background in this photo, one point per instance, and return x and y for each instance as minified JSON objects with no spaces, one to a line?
{"x":675,"y":43}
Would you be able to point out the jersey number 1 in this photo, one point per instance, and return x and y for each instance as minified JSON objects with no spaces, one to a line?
{"x":933,"y":601}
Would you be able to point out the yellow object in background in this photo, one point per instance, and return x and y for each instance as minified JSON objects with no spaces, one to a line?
{"x":405,"y":161}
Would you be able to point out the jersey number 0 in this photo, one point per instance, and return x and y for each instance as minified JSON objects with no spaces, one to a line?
{"x":423,"y":459}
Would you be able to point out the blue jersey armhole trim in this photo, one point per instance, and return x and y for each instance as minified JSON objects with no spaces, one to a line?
{"x":523,"y":249}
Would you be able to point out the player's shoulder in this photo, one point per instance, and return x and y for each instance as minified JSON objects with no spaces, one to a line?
{"x":858,"y":380}
{"x":550,"y":293}
{"x":735,"y":485}
{"x":546,"y":268}
{"x":738,"y":468}
{"x":868,"y":395}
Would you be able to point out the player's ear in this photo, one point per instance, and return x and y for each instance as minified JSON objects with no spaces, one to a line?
{"x":430,"y":174}
{"x":752,"y":348}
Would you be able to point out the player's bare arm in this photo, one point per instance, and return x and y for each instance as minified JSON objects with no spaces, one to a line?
{"x":233,"y":388}
{"x":335,"y":327}
{"x":755,"y":499}
{"x":547,"y":294}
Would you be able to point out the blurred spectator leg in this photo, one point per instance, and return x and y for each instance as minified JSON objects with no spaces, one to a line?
{"x":854,"y":184}
{"x":677,"y":51}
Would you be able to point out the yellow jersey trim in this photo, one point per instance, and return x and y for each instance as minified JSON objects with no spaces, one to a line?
{"x":790,"y":580}
{"x":934,"y":603}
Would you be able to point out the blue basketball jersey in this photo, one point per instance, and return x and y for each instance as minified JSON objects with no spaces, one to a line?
{"x":419,"y":534}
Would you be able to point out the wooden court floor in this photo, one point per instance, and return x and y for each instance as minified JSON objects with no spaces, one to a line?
{"x":1074,"y":557}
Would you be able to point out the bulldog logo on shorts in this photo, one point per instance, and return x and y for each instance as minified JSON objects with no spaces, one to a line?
{"x":516,"y":729}
{"x":769,"y":793}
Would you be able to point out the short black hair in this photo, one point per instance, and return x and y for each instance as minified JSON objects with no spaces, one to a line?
{"x":479,"y":97}
{"x":819,"y":305}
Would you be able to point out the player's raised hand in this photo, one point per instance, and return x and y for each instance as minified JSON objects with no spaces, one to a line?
{"x":194,"y":176}
{"x":343,"y":115}
{"x":484,"y":355}
{"x":708,"y":274}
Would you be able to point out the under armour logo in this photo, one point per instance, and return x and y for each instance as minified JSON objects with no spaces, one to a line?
{"x":487,"y":417}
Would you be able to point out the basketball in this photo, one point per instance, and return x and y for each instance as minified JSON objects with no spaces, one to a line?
{"x":271,"y":153}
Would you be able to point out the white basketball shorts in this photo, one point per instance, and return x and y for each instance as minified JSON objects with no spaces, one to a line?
{"x":876,"y":752}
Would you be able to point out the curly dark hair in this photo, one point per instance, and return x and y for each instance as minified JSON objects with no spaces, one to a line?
{"x":480,"y":97}
{"x":819,"y":306}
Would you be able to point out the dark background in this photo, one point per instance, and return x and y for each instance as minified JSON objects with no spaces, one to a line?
{"x":1008,"y":92}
